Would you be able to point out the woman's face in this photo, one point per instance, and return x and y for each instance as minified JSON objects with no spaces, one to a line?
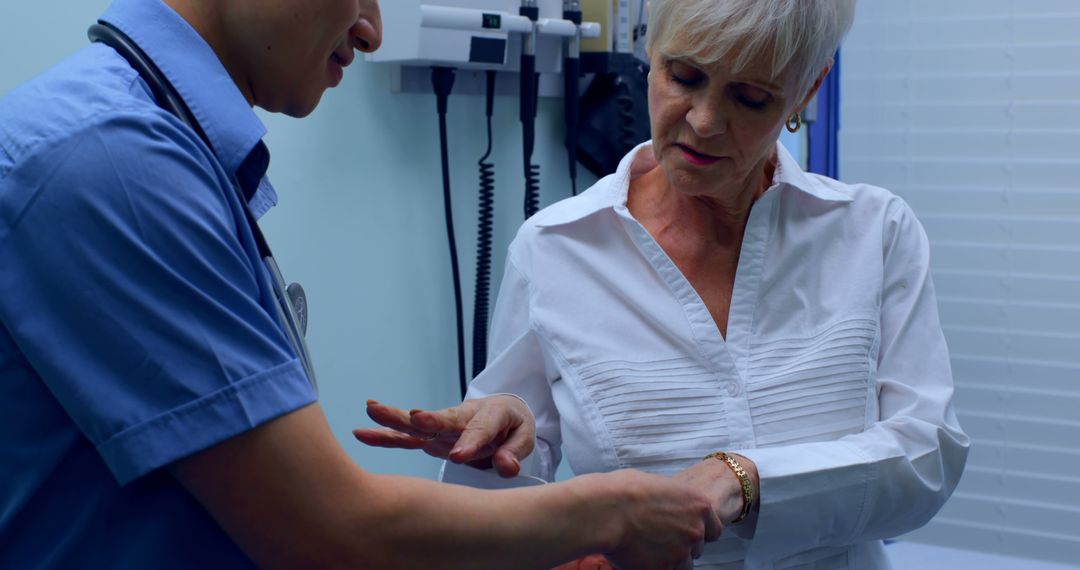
{"x":713,"y":129}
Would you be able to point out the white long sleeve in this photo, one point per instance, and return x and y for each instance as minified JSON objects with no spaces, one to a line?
{"x":518,"y":365}
{"x":893,"y":477}
{"x":834,"y":377}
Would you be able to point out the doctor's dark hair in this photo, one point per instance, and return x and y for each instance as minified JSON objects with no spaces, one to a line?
{"x":801,"y":35}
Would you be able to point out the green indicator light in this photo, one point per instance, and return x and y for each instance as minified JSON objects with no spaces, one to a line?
{"x":492,"y":21}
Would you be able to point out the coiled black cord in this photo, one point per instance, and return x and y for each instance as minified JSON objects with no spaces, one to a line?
{"x":572,"y":71}
{"x":625,"y":102}
{"x":532,"y":171}
{"x":485,"y":221}
{"x":442,"y":80}
{"x":532,"y":189}
{"x":572,"y":105}
{"x":529,"y":95}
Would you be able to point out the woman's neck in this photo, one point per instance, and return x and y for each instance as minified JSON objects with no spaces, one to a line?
{"x":720,"y":217}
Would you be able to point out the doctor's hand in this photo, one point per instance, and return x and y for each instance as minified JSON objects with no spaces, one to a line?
{"x":495,"y":431}
{"x":664,"y":523}
{"x":591,"y":562}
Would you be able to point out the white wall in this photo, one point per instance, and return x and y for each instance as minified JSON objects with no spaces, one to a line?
{"x":796,"y":144}
{"x":360,"y":224}
{"x":35,"y":35}
{"x":967,"y":109}
{"x":360,"y":220}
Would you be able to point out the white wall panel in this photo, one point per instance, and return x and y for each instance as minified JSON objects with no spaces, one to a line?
{"x":970,"y":110}
{"x":1044,"y":489}
{"x":1001,"y":370}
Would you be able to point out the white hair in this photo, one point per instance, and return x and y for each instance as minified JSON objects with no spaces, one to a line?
{"x":801,"y":35}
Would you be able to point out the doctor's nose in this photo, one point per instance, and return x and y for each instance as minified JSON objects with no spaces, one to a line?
{"x":366,"y":33}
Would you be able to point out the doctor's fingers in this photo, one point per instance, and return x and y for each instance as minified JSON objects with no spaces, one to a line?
{"x":686,"y":563}
{"x":697,"y":549}
{"x":594,"y":562}
{"x":714,"y":527}
{"x":590,"y":562}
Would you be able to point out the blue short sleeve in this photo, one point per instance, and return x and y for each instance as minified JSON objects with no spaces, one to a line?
{"x":141,"y":299}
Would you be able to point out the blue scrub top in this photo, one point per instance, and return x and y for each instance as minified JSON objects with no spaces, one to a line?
{"x":137,"y":323}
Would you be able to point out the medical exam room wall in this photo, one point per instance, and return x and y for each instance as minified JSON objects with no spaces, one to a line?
{"x":360,"y":220}
{"x":968,"y":109}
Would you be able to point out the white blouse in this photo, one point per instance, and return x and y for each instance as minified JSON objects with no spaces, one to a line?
{"x":834,"y":378}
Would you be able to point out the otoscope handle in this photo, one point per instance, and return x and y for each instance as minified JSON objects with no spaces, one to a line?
{"x":442,"y":80}
{"x":528,"y":88}
{"x":528,"y":64}
{"x":571,"y":75}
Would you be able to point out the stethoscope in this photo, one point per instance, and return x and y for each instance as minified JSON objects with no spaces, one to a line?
{"x":291,"y":302}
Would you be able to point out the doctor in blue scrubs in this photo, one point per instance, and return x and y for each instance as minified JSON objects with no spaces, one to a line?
{"x":153,"y":413}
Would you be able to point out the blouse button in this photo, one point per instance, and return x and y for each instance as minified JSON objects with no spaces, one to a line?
{"x":733,"y":388}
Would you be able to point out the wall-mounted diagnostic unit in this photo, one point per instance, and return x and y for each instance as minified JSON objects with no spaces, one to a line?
{"x":477,"y":34}
{"x":529,"y":44}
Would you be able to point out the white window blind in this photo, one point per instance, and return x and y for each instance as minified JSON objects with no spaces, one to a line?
{"x":970,"y":110}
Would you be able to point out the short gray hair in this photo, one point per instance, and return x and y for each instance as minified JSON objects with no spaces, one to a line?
{"x":802,"y":34}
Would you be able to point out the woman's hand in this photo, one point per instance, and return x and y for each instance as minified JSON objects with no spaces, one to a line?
{"x":495,"y":431}
{"x":714,"y":479}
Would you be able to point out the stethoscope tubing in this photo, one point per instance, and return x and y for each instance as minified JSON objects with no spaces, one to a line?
{"x":167,"y":98}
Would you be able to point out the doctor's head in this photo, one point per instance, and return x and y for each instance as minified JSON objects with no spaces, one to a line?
{"x":284,"y":54}
{"x":728,"y":74}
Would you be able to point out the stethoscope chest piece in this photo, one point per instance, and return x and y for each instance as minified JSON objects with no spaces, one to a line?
{"x":299,"y":305}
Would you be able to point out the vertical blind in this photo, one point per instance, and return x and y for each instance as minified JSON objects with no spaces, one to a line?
{"x":970,"y":110}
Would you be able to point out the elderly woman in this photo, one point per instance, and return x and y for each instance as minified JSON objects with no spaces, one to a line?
{"x":714,"y":313}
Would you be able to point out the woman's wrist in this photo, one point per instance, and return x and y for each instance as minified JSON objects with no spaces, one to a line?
{"x":743,"y":497}
{"x":750,"y":467}
{"x":751,"y":470}
{"x":514,"y":400}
